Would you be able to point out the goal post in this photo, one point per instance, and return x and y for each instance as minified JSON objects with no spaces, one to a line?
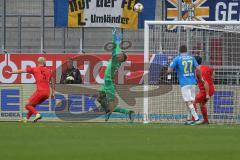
{"x":218,"y":42}
{"x":146,"y":68}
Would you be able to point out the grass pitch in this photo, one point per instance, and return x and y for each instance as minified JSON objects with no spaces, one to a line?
{"x":113,"y":141}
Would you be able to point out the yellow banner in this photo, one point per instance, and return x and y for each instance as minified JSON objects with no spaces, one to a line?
{"x":101,"y":13}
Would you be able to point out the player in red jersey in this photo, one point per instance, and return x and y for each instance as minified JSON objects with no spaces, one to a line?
{"x":205,"y":92}
{"x":43,"y":77}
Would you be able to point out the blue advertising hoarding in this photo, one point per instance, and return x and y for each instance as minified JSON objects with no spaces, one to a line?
{"x":223,"y":106}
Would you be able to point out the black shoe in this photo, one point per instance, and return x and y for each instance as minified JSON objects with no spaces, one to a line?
{"x":197,"y":122}
{"x":188,"y":122}
{"x":107,"y":116}
{"x":131,"y":116}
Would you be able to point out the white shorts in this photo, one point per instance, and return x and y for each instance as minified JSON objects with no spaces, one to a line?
{"x":188,"y":93}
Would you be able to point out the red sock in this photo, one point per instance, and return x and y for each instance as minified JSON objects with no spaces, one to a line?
{"x":204,"y":112}
{"x":29,"y":114}
{"x":31,"y":109}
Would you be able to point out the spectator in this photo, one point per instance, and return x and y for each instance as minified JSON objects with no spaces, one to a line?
{"x":71,"y":75}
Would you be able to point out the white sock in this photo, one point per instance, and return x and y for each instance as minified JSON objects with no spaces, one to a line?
{"x":189,"y":115}
{"x":193,"y":112}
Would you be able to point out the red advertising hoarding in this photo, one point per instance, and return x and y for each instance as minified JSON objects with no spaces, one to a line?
{"x":91,"y":66}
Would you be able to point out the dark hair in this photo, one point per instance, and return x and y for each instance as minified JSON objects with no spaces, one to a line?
{"x":198,"y":59}
{"x":124,"y":56}
{"x":183,"y":49}
{"x":70,"y":60}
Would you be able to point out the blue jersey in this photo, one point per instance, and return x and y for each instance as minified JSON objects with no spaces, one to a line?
{"x":185,"y":66}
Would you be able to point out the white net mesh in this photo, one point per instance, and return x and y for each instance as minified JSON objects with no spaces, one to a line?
{"x":219,"y":46}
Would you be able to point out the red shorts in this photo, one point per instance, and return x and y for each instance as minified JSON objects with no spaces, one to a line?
{"x":38,"y":97}
{"x":201,"y":96}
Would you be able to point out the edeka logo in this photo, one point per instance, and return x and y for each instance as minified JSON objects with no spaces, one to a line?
{"x":73,"y":105}
{"x":76,"y":103}
{"x":224,"y":102}
{"x":10,"y":99}
{"x":10,"y":103}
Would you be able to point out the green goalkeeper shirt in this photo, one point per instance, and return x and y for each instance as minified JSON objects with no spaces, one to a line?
{"x":113,"y":64}
{"x":111,"y":69}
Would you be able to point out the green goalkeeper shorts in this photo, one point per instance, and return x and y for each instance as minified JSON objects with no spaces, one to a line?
{"x":109,"y":89}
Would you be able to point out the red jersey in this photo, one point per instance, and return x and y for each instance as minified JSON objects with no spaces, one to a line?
{"x":207,"y":73}
{"x":42,"y":76}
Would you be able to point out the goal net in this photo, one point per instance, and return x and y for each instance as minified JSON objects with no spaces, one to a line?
{"x":218,"y":43}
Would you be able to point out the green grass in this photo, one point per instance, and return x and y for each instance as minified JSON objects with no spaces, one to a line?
{"x":113,"y":141}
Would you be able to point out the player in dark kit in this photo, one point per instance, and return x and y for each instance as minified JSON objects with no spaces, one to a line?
{"x":205,"y":92}
{"x":43,"y":77}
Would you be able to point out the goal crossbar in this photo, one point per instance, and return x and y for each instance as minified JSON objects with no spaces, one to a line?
{"x":193,"y":22}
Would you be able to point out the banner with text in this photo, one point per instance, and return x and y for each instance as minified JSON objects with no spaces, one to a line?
{"x":102,"y":13}
{"x":204,"y":10}
{"x":222,"y":108}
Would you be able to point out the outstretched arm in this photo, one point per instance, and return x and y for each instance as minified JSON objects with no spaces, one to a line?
{"x":17,"y":72}
{"x":116,"y":40}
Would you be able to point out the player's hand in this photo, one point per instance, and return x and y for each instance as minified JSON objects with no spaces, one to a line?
{"x":207,"y":97}
{"x":53,"y":95}
{"x":9,"y":72}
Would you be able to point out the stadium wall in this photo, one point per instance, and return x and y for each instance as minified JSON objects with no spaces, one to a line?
{"x":83,"y":107}
{"x":24,"y":24}
{"x":166,"y":101}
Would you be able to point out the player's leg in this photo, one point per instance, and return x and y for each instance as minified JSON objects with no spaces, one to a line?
{"x":113,"y":107}
{"x":202,"y":101}
{"x":193,"y":95}
{"x":188,"y":93}
{"x":191,"y":113}
{"x":42,"y":98}
{"x":124,"y":110}
{"x":102,"y":100}
{"x":108,"y":98}
{"x":33,"y":101}
{"x":30,"y":105}
{"x":110,"y":108}
{"x":121,"y":109}
{"x":185,"y":95}
{"x":198,"y":100}
{"x":203,"y":108}
{"x":29,"y":113}
{"x":118,"y":109}
{"x":104,"y":104}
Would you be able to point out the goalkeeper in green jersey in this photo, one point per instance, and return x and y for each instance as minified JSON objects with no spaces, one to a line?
{"x":107,"y":97}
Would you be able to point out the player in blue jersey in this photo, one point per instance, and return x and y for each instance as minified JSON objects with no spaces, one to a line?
{"x":185,"y":65}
